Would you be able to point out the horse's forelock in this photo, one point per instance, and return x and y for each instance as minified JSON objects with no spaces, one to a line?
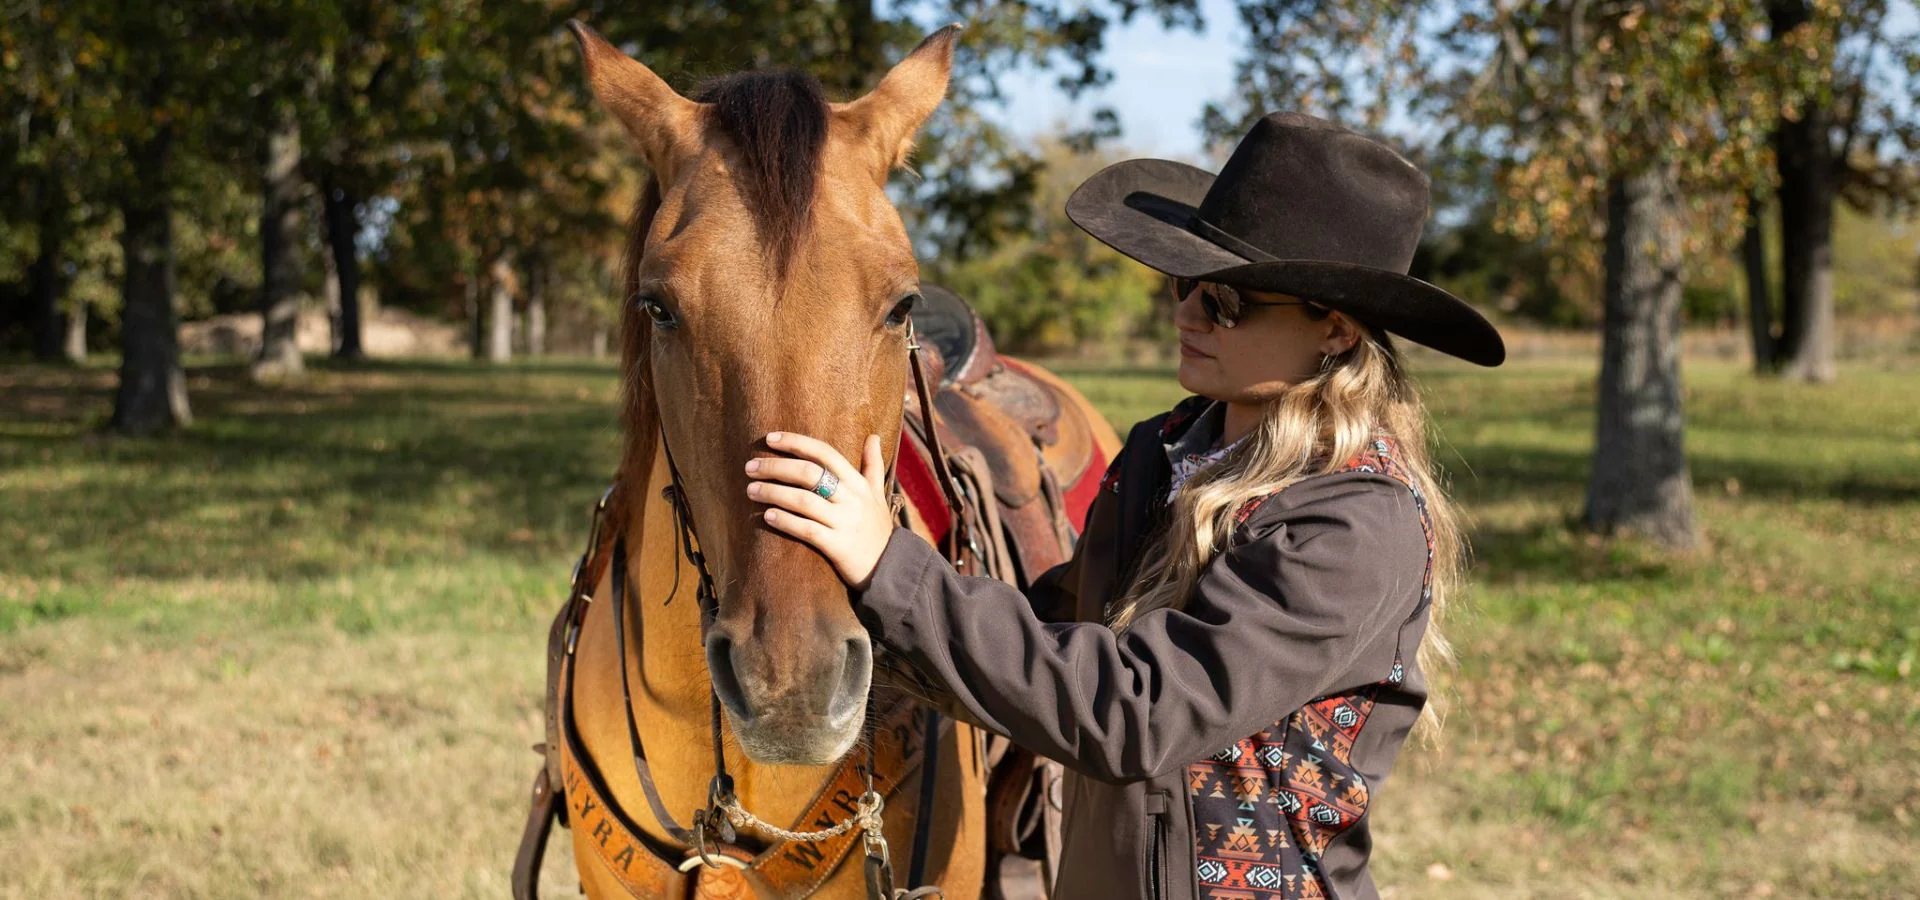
{"x":777,"y":121}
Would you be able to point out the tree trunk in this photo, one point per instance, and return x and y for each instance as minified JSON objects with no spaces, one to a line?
{"x":499,"y":310}
{"x":330,"y":295}
{"x":1803,"y":150}
{"x":476,"y":322}
{"x":153,"y":389}
{"x":279,"y":260}
{"x":343,"y":228}
{"x":46,"y":283}
{"x":1640,"y":481}
{"x":76,"y":339}
{"x":536,"y":308}
{"x":1753,"y":254}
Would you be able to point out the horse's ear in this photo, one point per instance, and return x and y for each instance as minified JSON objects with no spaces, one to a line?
{"x":662,"y":121}
{"x":893,"y":112}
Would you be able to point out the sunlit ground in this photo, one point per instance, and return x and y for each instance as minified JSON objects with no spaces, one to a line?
{"x":296,"y":650}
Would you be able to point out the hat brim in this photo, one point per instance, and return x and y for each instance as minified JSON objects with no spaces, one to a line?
{"x":1143,"y":207}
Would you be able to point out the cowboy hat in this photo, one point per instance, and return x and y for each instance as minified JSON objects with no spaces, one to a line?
{"x":1303,"y":207}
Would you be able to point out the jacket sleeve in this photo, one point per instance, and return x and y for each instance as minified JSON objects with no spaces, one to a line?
{"x":1052,"y":597}
{"x":1274,"y":622}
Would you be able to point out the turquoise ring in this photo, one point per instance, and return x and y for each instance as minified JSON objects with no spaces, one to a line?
{"x":826,"y":485}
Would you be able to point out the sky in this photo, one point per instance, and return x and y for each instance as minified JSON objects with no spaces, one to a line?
{"x":1163,"y":78}
{"x":1161,"y":81}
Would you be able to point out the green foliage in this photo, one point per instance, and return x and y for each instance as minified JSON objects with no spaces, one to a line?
{"x":463,"y":129}
{"x":1876,"y":263}
{"x":1057,"y":289}
{"x":1544,"y":100}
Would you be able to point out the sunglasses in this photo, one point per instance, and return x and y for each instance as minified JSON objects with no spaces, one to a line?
{"x":1223,"y":303}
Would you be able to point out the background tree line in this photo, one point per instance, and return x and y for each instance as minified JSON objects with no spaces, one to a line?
{"x":208,"y":156}
{"x":1628,"y":164}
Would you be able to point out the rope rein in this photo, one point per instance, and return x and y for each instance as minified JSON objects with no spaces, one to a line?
{"x":866,"y":815}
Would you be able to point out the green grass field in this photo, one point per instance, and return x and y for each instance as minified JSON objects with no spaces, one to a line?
{"x":295,"y":650}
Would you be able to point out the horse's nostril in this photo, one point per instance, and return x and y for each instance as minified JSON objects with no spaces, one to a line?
{"x":856,"y":674}
{"x":726,"y":682}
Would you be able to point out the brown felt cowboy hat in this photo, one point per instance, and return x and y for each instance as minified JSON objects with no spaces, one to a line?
{"x":1303,"y":207}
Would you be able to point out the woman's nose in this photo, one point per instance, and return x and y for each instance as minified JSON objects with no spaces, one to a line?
{"x":1190,"y":314}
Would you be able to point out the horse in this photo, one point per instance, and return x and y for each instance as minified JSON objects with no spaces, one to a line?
{"x":770,"y":285}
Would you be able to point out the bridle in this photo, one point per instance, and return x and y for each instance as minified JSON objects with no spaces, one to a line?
{"x":715,"y":824}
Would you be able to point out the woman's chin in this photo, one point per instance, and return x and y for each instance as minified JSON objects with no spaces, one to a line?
{"x":1196,"y":376}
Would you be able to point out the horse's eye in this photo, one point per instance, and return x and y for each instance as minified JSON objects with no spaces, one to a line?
{"x":657,"y":311}
{"x":900,"y":310}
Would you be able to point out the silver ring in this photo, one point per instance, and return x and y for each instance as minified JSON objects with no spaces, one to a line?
{"x":826,"y":485}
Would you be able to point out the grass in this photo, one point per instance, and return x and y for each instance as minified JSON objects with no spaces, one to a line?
{"x":295,"y":650}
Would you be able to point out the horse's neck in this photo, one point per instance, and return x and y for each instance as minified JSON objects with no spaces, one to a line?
{"x":670,"y":685}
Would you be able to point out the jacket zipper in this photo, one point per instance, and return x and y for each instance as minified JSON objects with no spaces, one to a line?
{"x":1156,"y":804}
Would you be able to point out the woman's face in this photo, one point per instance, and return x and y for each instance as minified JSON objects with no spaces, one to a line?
{"x":1269,"y":349}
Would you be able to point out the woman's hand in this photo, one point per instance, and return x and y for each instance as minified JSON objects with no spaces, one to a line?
{"x":852,"y":528}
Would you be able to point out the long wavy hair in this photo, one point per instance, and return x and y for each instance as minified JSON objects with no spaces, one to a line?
{"x":1311,"y":429}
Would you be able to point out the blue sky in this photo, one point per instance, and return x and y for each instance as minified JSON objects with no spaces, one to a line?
{"x":1161,"y":80}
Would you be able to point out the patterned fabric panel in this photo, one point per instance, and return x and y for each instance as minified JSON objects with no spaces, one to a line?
{"x":1265,"y":808}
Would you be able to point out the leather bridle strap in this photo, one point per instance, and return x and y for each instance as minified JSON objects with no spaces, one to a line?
{"x":635,"y":745}
{"x":930,"y":771}
{"x":711,"y":829}
{"x":955,"y":540}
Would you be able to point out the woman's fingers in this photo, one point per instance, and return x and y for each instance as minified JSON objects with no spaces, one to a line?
{"x":793,"y":499}
{"x":797,"y":526}
{"x":814,"y":449}
{"x":853,"y":529}
{"x":797,"y":472}
{"x":873,"y":464}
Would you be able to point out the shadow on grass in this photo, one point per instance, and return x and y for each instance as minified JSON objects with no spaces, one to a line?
{"x":384,"y":462}
{"x":1498,"y":471}
{"x":563,"y":366}
{"x":304,"y":480}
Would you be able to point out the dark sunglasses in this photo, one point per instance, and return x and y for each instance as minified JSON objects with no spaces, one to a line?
{"x":1223,"y":303}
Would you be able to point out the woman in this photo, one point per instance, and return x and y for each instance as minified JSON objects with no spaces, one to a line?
{"x":1260,"y":666}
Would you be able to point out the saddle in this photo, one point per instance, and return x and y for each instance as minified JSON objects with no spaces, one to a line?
{"x":1013,"y":426}
{"x":1026,"y":467}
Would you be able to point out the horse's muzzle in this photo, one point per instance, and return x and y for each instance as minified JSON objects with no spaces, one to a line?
{"x":794,"y":708}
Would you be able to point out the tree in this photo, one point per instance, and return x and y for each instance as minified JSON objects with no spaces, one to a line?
{"x":1846,"y":127}
{"x":44,"y":165}
{"x":1618,"y":130}
{"x":1644,"y":107}
{"x":372,"y":62}
{"x":279,"y":354}
{"x":152,"y":70}
{"x":1092,"y":293}
{"x":272,"y":78}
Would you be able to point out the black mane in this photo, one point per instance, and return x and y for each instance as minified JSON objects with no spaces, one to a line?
{"x":777,"y":120}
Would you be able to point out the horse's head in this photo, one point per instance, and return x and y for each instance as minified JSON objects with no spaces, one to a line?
{"x":767,"y":288}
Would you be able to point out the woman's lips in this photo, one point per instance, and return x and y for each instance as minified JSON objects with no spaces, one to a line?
{"x":1188,"y":351}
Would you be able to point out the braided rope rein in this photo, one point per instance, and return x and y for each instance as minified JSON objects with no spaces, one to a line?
{"x":866,"y":816}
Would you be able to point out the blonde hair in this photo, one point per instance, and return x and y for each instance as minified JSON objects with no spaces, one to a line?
{"x":1311,"y":429}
